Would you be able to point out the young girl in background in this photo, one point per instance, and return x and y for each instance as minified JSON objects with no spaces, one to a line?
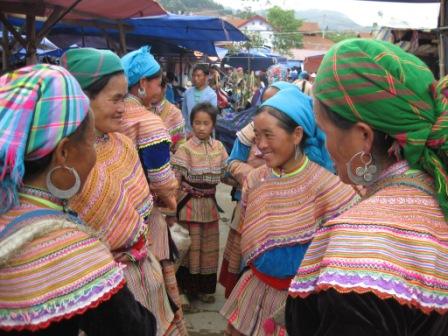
{"x":199,"y":165}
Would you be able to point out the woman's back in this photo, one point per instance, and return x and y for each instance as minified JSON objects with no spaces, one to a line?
{"x":51,"y":268}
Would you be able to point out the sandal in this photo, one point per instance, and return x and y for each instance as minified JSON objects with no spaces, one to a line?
{"x":187,"y":307}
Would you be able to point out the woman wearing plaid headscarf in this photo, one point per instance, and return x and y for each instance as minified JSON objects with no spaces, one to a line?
{"x":55,"y":278}
{"x":381,"y":268}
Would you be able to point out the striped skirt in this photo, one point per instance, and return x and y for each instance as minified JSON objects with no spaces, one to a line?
{"x":251,"y":303}
{"x":145,"y":280}
{"x":178,"y":327}
{"x":197,"y":273}
{"x":159,"y":245}
{"x":231,"y":262}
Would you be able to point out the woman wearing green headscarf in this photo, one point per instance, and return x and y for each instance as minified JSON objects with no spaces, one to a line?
{"x":116,"y":200}
{"x":381,"y":268}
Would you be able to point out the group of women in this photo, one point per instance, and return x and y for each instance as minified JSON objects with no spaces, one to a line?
{"x":341,"y":228}
{"x":362,"y":252}
{"x":83,"y":244}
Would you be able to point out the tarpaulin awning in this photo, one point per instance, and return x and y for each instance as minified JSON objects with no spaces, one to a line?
{"x":249,"y":61}
{"x":116,"y":10}
{"x":184,"y":27}
{"x":190,"y":32}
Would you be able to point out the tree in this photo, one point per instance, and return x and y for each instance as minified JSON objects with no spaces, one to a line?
{"x":246,"y":13}
{"x":255,"y":41}
{"x":285,"y":24}
{"x":184,"y":6}
{"x":339,"y":36}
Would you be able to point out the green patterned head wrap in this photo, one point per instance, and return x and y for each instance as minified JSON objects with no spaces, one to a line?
{"x":89,"y":65}
{"x":394,"y":92}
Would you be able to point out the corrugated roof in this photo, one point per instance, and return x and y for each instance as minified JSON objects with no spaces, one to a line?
{"x":309,"y":27}
{"x":301,"y":54}
{"x":237,"y":22}
{"x":316,"y":42}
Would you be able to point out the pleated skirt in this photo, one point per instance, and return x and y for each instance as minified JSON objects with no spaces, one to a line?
{"x":145,"y":280}
{"x":251,"y":303}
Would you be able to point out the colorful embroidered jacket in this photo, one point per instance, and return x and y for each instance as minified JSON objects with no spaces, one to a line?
{"x":174,"y":122}
{"x":51,"y":269}
{"x":115,"y":198}
{"x":200,"y":165}
{"x":149,"y":134}
{"x":280,"y":215}
{"x":382,"y":265}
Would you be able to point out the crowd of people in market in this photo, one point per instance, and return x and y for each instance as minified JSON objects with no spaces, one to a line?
{"x":340,"y":180}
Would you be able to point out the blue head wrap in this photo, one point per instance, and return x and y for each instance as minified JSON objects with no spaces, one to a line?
{"x":281,"y":85}
{"x":299,"y":107}
{"x":139,"y":64}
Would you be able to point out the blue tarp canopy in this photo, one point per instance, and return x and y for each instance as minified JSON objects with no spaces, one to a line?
{"x":190,"y":32}
{"x":254,"y":59}
{"x":186,"y":28}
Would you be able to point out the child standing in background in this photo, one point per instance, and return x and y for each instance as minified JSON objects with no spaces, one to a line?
{"x":199,"y":165}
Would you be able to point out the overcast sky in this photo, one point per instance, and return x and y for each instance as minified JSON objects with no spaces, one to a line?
{"x":362,"y":12}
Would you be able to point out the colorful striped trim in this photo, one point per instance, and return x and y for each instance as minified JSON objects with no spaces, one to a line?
{"x":394,"y":244}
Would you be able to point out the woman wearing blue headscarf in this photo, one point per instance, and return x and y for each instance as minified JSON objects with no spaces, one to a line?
{"x":283,"y":203}
{"x":149,"y":134}
{"x":243,"y":158}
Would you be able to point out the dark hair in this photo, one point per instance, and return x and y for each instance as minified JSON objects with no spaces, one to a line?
{"x":153,"y":76}
{"x":208,"y":108}
{"x":170,"y":76}
{"x":156,"y":75}
{"x":163,"y":82}
{"x":203,"y":67}
{"x":36,"y":167}
{"x":380,"y":139}
{"x":284,"y":121}
{"x":96,"y":87}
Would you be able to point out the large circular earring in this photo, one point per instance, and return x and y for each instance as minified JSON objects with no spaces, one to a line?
{"x":364,"y":175}
{"x":141,"y":92}
{"x":61,"y":193}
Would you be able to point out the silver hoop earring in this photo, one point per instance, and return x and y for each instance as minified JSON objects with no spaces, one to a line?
{"x":141,"y":92}
{"x":363,"y":175}
{"x":60,"y":193}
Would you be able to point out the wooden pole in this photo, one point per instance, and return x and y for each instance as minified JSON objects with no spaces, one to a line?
{"x":443,"y":45}
{"x":5,"y":45}
{"x":31,"y":56}
{"x":12,"y":30}
{"x":123,"y":46}
{"x":181,"y":70}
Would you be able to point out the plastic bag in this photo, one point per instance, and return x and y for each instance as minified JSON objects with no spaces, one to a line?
{"x":181,"y":237}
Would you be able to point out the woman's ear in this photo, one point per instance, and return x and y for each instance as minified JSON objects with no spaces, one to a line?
{"x":365,"y":134}
{"x":141,"y":82}
{"x":298,"y":135}
{"x":61,"y":152}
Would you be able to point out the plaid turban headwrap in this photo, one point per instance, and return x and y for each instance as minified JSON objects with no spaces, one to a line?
{"x":39,"y":106}
{"x":88,"y":65}
{"x":394,"y":92}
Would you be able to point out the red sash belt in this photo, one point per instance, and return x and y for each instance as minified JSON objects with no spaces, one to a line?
{"x":277,"y":283}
